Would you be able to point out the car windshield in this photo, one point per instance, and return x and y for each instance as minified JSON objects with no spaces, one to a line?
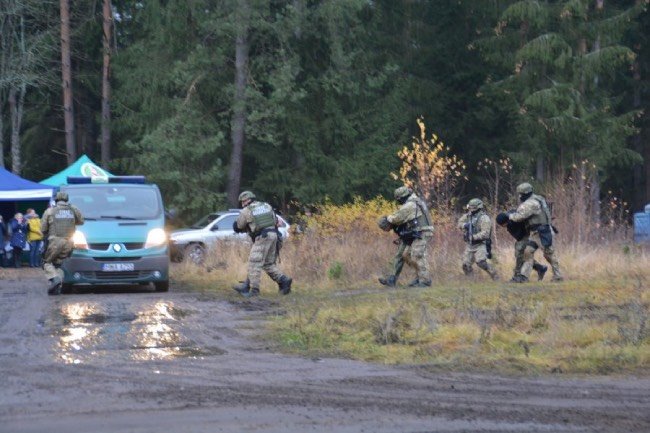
{"x":203,"y":222}
{"x":116,"y":202}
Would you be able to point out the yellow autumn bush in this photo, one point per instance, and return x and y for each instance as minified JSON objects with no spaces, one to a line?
{"x":360,"y":215}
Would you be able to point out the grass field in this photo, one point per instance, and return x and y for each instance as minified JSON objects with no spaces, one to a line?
{"x":595,"y":322}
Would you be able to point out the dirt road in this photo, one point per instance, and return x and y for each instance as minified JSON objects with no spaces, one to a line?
{"x":130,"y":360}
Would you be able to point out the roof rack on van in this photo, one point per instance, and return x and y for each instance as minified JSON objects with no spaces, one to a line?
{"x":105,"y":179}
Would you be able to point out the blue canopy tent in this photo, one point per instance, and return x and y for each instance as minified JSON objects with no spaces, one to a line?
{"x":84,"y":166}
{"x":14,"y":188}
{"x":18,"y":194}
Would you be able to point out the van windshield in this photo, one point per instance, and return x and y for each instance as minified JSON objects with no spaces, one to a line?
{"x":116,"y":202}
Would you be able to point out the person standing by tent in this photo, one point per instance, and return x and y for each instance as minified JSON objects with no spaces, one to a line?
{"x":58,"y":226}
{"x":34,"y":237}
{"x":18,"y":240}
{"x":3,"y":235}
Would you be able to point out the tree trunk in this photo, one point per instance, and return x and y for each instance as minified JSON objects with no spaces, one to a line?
{"x":540,"y":169}
{"x":106,"y":84}
{"x":594,"y":197}
{"x":16,"y":104}
{"x":646,"y":166}
{"x":239,"y":116}
{"x":2,"y":137}
{"x":66,"y":75}
{"x":640,"y":191}
{"x":299,"y":10}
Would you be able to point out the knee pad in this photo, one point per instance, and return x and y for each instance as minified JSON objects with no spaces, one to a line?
{"x":483,"y":265}
{"x":533,"y":245}
{"x":467,"y":268}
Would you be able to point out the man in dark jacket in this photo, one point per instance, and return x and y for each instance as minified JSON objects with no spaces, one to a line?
{"x":18,"y":239}
{"x":3,"y":235}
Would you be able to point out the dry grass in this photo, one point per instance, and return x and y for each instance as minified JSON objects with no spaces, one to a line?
{"x":598,"y":321}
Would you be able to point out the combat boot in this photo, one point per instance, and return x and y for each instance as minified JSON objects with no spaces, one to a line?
{"x":243,"y":286}
{"x":413,"y":283}
{"x":519,"y":279}
{"x":55,"y":286}
{"x":284,"y":285}
{"x":390,"y":281}
{"x":422,"y":283}
{"x":252,"y":292}
{"x":541,"y":271}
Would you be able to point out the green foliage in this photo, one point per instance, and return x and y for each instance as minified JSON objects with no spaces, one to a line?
{"x":336,"y":271}
{"x":334,"y":87}
{"x":564,"y":79}
{"x":180,"y":155}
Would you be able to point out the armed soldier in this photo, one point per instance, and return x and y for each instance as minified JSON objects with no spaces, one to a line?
{"x":58,"y":227}
{"x":518,"y":231}
{"x":260,"y":222}
{"x":535,"y":213}
{"x":477,"y":233}
{"x":412,"y":223}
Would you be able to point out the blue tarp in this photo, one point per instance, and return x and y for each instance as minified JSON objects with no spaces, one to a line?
{"x":642,"y":227}
{"x":15,"y":188}
{"x":84,"y":166}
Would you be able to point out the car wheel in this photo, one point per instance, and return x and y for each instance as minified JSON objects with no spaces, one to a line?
{"x":195,"y":253}
{"x":66,"y":288}
{"x":161,"y":286}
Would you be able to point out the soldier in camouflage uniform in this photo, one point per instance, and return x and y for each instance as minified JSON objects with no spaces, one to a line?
{"x":477,"y":229}
{"x":518,"y":231}
{"x":536,"y":215}
{"x":258,"y":219}
{"x":58,"y":226}
{"x":412,"y":222}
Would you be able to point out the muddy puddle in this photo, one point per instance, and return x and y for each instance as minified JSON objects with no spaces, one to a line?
{"x":91,"y":332}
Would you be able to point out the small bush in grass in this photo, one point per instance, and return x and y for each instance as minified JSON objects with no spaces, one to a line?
{"x":336,"y":271}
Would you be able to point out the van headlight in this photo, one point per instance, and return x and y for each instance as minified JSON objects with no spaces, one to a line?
{"x":79,"y":240}
{"x":155,"y":238}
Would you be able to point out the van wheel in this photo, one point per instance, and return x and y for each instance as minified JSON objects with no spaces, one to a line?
{"x":195,"y":253}
{"x":162,"y":286}
{"x":66,"y":288}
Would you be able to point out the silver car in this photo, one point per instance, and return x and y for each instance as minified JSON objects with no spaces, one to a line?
{"x":193,"y":243}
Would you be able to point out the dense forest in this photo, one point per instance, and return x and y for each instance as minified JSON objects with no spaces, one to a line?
{"x":308,"y":100}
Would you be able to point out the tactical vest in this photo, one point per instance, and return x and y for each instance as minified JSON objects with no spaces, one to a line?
{"x":63,"y":221}
{"x":474,"y":226}
{"x":263,"y":215}
{"x":544,"y":216}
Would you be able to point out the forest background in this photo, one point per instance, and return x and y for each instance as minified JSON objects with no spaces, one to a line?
{"x":304,"y":101}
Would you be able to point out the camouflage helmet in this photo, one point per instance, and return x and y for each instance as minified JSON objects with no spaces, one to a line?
{"x":402,"y":192}
{"x":524,"y":188}
{"x":475,"y":204}
{"x":61,"y":196}
{"x":246,"y":195}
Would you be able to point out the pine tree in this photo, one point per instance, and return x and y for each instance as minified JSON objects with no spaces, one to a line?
{"x":559,"y":60}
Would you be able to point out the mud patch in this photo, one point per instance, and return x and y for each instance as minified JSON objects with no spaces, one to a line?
{"x":255,"y":305}
{"x":93,"y":331}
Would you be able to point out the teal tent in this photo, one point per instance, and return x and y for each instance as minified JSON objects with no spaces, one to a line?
{"x":84,"y":166}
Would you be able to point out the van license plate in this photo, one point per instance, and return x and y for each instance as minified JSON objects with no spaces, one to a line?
{"x":117,"y":267}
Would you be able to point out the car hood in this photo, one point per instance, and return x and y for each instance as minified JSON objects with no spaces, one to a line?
{"x":183,"y":234}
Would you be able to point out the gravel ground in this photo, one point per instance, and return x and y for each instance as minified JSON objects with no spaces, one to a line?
{"x":131,"y":360}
